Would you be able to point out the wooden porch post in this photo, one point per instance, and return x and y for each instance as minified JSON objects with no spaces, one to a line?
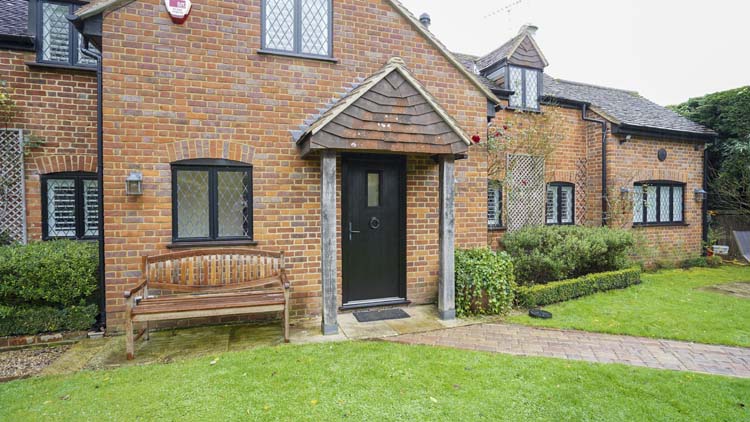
{"x":328,"y":242}
{"x":447,"y":286}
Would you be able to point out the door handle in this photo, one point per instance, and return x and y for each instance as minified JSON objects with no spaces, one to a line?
{"x":351,"y":231}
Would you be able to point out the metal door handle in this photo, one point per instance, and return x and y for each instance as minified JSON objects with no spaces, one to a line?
{"x":352,"y":231}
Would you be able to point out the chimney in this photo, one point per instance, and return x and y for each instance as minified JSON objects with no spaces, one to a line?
{"x":425,"y":20}
{"x":529,"y":29}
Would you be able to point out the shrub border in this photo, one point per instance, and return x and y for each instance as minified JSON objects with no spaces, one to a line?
{"x":560,"y":291}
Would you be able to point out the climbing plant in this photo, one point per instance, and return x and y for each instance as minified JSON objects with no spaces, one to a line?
{"x":7,"y":105}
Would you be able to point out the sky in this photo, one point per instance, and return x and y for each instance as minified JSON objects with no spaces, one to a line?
{"x":667,"y":50}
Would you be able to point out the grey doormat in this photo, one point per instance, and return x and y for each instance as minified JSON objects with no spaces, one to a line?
{"x":385,"y":314}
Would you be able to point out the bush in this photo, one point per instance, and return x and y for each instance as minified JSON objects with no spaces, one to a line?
{"x":62,"y":273}
{"x":43,"y":319}
{"x":45,"y":287}
{"x":560,"y":291}
{"x":714,"y":261}
{"x":484,"y":282}
{"x":549,"y":253}
{"x":6,"y":239}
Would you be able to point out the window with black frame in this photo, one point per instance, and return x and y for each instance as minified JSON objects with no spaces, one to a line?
{"x":526,"y":86}
{"x":58,"y":42}
{"x":70,"y":206}
{"x":302,"y":27}
{"x":658,"y":203}
{"x":560,"y":207}
{"x":211,"y":201}
{"x":494,"y":204}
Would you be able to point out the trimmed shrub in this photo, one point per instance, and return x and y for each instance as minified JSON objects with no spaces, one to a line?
{"x":484,"y":282}
{"x":61,"y":272}
{"x":44,"y":319}
{"x":560,"y":291}
{"x":45,"y":287}
{"x":714,"y":261}
{"x":548,"y":253}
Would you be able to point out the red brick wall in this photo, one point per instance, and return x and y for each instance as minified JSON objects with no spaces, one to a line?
{"x":203,"y":83}
{"x":60,"y":107}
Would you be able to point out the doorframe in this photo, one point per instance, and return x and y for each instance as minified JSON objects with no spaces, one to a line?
{"x":348,"y":160}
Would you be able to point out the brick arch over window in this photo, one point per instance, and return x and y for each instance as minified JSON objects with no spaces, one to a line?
{"x":659,"y":174}
{"x":216,"y":149}
{"x":567,"y":176}
{"x":65,"y":163}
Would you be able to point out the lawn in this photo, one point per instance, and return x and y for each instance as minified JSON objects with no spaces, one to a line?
{"x":669,"y":304}
{"x":376,"y":381}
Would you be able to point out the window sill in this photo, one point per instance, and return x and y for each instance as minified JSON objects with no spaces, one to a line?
{"x":91,"y":69}
{"x":497,"y":228}
{"x":524,"y":110}
{"x":211,"y":244}
{"x":297,"y":55}
{"x":660,"y":225}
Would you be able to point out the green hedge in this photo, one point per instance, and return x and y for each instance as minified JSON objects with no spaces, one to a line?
{"x":47,"y":286}
{"x":484,"y":282}
{"x":45,"y":319}
{"x":549,"y":253}
{"x":560,"y":291}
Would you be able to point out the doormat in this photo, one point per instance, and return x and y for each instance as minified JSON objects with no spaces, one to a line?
{"x":386,"y":314}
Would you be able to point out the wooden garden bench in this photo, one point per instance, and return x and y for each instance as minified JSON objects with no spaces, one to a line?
{"x":207,"y":283}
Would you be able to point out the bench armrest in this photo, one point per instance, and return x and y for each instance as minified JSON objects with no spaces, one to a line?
{"x":134,"y":290}
{"x":284,"y":280}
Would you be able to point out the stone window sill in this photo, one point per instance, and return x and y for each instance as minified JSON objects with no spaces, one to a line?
{"x":297,"y":55}
{"x":211,"y":244}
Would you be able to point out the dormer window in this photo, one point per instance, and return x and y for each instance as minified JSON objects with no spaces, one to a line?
{"x":58,"y":42}
{"x":525,"y":83}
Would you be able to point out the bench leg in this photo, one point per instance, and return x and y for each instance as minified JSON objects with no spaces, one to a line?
{"x":286,"y":318}
{"x":129,"y":342}
{"x":147,"y":334}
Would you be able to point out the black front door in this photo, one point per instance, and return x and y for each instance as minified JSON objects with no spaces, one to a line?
{"x":373,"y":232}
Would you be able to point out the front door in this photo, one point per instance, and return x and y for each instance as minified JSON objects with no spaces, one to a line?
{"x":373,"y":232}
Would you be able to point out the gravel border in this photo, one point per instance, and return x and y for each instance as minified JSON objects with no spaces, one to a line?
{"x":27,"y":362}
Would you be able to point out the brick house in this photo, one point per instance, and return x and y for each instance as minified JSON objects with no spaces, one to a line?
{"x":341,"y":132}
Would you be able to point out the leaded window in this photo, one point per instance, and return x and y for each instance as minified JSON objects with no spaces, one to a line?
{"x":526,"y":86}
{"x":211,"y":200}
{"x":658,"y":203}
{"x":560,"y":207}
{"x":494,"y":204}
{"x":58,"y":41}
{"x":70,"y":208}
{"x":298,"y":26}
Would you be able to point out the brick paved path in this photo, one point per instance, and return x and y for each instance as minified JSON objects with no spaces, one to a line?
{"x":592,"y":347}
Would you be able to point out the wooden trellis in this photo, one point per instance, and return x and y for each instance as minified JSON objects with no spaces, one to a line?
{"x":526,"y":191}
{"x":12,"y":189}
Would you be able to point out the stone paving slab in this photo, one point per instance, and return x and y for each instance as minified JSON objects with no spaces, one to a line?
{"x":592,"y":347}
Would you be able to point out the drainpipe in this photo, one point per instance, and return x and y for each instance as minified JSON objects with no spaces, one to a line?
{"x":704,"y":205}
{"x":603,"y":124}
{"x":100,"y":179}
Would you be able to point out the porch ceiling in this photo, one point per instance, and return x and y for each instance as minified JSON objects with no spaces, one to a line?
{"x":389,"y":112}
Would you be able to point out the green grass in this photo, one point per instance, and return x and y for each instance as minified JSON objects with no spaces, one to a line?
{"x":669,"y":304}
{"x":377,"y":381}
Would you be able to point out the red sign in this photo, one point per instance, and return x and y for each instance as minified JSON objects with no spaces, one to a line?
{"x":178,"y":10}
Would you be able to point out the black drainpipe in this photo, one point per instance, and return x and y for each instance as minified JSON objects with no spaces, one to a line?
{"x":704,"y":205}
{"x":603,"y":124}
{"x":100,"y":180}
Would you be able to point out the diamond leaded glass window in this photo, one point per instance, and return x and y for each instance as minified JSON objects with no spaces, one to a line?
{"x":526,"y":86}
{"x":494,"y":204}
{"x":658,"y":203}
{"x":298,"y":26}
{"x":212,"y":200}
{"x":71,"y":207}
{"x":59,"y":42}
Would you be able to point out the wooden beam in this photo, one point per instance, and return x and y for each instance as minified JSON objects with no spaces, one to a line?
{"x":447,"y":282}
{"x":328,"y":242}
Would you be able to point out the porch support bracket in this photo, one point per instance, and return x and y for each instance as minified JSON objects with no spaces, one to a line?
{"x":328,"y":245}
{"x":447,"y":282}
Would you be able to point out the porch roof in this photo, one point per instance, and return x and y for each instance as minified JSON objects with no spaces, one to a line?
{"x":388,"y":112}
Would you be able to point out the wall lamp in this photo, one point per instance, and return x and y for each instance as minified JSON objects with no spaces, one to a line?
{"x":134,"y":184}
{"x":700,"y":195}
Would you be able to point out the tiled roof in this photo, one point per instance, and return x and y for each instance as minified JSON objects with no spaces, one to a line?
{"x":499,"y":53}
{"x":14,"y":17}
{"x":626,"y":107}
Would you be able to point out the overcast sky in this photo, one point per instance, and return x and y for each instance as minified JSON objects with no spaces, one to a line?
{"x":667,"y":50}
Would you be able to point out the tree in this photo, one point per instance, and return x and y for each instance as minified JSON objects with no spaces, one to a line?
{"x":728,"y":114}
